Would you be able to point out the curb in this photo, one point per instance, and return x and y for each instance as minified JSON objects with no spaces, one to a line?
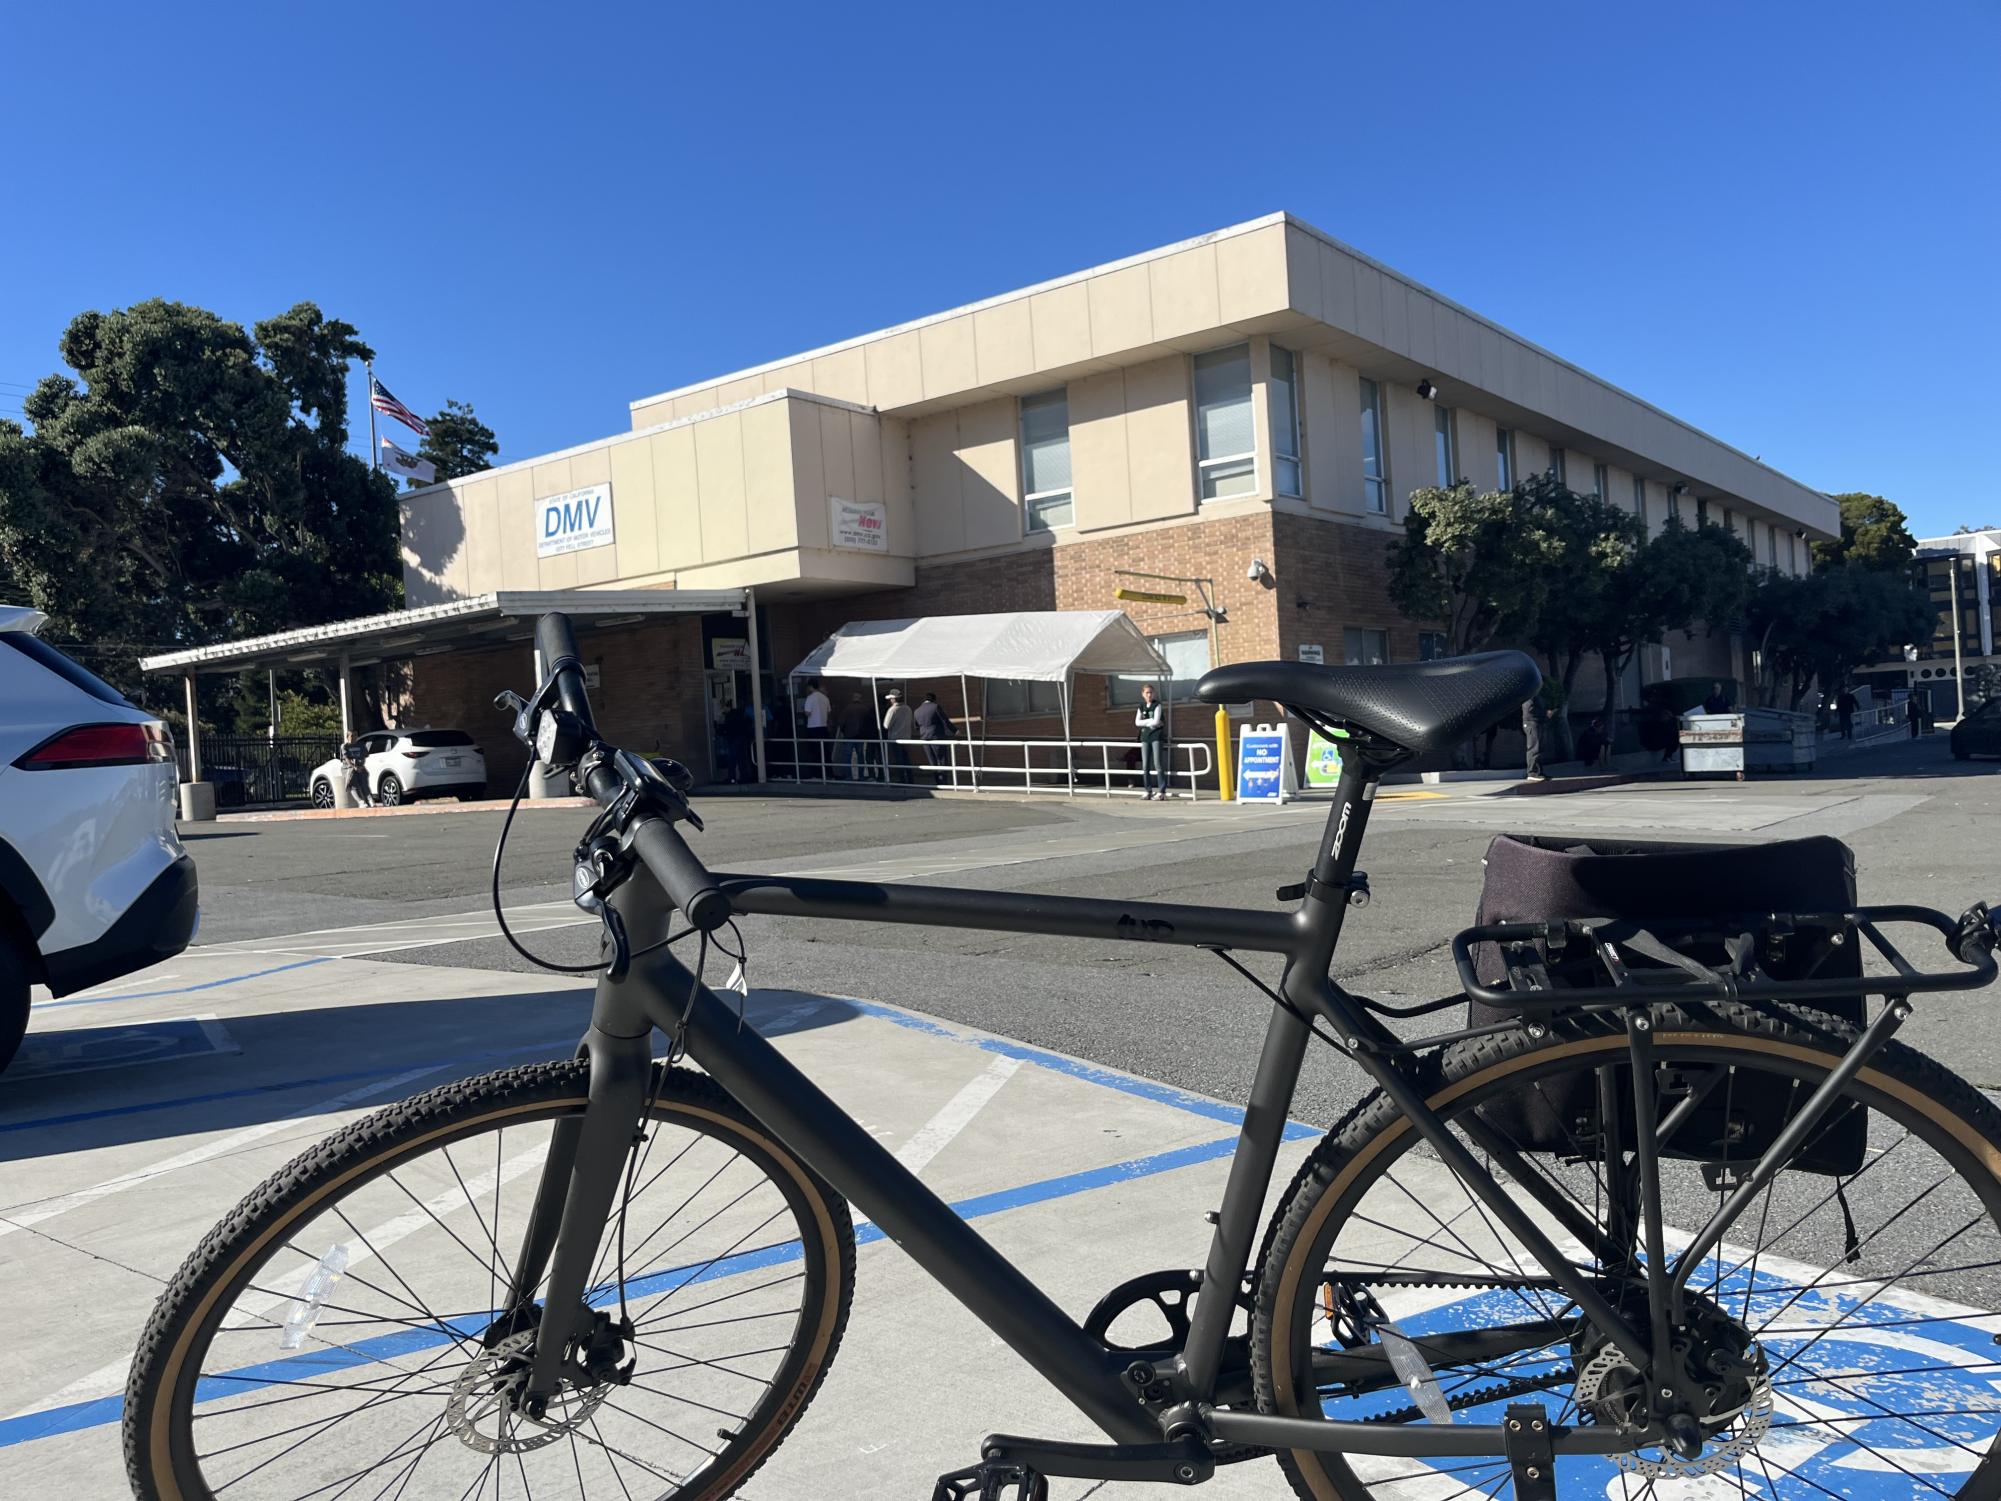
{"x":411,"y":810}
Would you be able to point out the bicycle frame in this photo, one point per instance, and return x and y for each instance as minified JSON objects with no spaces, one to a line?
{"x":578,"y":1192}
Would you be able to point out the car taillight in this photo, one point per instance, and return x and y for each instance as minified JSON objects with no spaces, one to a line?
{"x":416,"y":755}
{"x":159,"y":742}
{"x":95,"y":745}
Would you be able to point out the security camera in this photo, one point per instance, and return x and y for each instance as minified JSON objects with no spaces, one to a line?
{"x":1257,"y":573}
{"x":1426,"y":390}
{"x":1681,"y":487}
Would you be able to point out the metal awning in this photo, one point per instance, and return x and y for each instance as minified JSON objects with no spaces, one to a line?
{"x":484,"y":620}
{"x":1048,"y":646}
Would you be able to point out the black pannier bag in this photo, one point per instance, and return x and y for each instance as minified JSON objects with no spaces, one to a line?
{"x":1653,"y":886}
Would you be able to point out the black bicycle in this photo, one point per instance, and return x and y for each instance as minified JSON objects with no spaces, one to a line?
{"x":1649,"y":1219}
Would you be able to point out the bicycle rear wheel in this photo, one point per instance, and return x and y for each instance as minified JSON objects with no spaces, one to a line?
{"x":1868,"y":1297}
{"x":341,"y":1334}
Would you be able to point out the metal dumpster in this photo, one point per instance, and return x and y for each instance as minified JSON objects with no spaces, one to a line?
{"x":1747,"y":740}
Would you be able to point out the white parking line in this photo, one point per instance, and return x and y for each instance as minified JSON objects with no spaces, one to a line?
{"x":48,"y":1209}
{"x":953,"y":1117}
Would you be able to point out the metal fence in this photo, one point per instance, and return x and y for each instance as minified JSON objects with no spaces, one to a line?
{"x":1104,"y":767}
{"x":251,"y":769}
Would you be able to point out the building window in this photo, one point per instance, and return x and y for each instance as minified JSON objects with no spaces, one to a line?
{"x":1431,"y":645}
{"x":1674,"y":502}
{"x":1701,"y":511}
{"x":1364,"y":648}
{"x":1772,"y":545}
{"x":1640,"y":499}
{"x":1187,"y":654}
{"x":1792,"y":554}
{"x":1556,"y":466}
{"x":1225,"y":436}
{"x":1014,"y":698}
{"x":1444,"y":447}
{"x":1045,"y":460}
{"x":1601,"y":482}
{"x":1284,"y":394}
{"x":1375,"y":464}
{"x":1504,"y":458}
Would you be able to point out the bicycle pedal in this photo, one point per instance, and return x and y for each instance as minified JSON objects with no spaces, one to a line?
{"x":992,"y":1482}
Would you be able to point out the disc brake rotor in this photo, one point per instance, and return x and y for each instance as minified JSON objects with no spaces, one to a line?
{"x":487,"y":1391}
{"x":1609,"y":1388}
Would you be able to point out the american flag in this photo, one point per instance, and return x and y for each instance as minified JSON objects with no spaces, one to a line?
{"x":389,"y":406}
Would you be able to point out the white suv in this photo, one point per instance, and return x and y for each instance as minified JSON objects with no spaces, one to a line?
{"x":407,"y":764}
{"x":93,"y":880}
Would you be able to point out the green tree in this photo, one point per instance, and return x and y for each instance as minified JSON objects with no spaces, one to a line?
{"x":459,"y":443}
{"x":190,"y":482}
{"x":1875,"y":533}
{"x":1585,"y":577}
{"x":1673,"y":581}
{"x":1822,"y":626}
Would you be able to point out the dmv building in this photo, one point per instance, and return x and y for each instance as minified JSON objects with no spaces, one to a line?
{"x":1260,"y":394}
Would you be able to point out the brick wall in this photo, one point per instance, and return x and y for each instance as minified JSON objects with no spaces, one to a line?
{"x":649,"y":699}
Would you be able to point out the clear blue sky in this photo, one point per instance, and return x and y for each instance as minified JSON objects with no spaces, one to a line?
{"x":1778,"y":221}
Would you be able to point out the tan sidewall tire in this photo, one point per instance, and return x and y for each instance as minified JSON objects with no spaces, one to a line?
{"x":685,"y":1096}
{"x":1283,"y":1267}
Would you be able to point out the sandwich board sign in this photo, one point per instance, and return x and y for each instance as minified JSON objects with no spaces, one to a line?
{"x":1264,"y":764}
{"x":1323,"y":760}
{"x":573,"y":521}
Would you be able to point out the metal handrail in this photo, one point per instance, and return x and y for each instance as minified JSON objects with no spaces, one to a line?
{"x":968,"y":765}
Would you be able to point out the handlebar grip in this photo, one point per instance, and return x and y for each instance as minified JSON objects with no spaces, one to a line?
{"x":556,"y":640}
{"x":681,"y":874}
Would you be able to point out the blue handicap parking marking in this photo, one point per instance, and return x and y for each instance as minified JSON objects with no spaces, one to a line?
{"x":1874,"y":1393}
{"x":124,"y":1045}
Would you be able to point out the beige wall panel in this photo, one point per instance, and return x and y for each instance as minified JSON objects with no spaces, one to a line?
{"x":837,"y":449}
{"x":1421,"y":331}
{"x":882,"y":472}
{"x":1345,"y":400}
{"x":482,"y":511}
{"x":771,"y":514}
{"x":1463,"y":348}
{"x":797,"y":377}
{"x":719,"y":488}
{"x":729,"y":393}
{"x":1368,"y":302}
{"x":1475,"y":431}
{"x":1160,"y":451}
{"x":1251,"y":274}
{"x":1493,"y":359}
{"x":949,"y":361}
{"x":1004,"y":341}
{"x":551,"y":479}
{"x":1323,"y":437}
{"x":989,"y":485}
{"x":1409,"y":420}
{"x":812,"y":486}
{"x":652,"y":413}
{"x":688,"y":404}
{"x":1337,"y":287}
{"x":895,"y":371}
{"x":1099,"y":465}
{"x":1061,"y":319}
{"x":677,"y":493}
{"x":559,"y":572}
{"x":1531,"y":454}
{"x":517,"y":531}
{"x":1121,"y":310}
{"x":935,"y":484}
{"x":1302,"y":272}
{"x":1183,"y":291}
{"x":635,"y":508}
{"x":1396,"y":315}
{"x":843,"y":376}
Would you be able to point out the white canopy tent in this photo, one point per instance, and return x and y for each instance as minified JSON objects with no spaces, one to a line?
{"x":1049,"y":646}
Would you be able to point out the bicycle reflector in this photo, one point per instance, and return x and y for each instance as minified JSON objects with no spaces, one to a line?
{"x":101,"y":745}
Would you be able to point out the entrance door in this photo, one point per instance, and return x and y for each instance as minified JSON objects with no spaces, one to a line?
{"x":721,"y":693}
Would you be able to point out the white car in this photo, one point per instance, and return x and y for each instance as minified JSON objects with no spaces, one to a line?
{"x":407,"y":764}
{"x":93,"y":880}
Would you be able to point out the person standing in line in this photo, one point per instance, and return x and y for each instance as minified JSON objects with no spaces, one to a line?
{"x":819,"y":710}
{"x":898,"y":725}
{"x":740,"y":734}
{"x":1718,"y":701}
{"x":934,"y":727}
{"x":1844,"y":710}
{"x":1914,"y":715}
{"x":1533,"y":719}
{"x":1592,"y":744}
{"x":1151,"y":722}
{"x":853,"y":739}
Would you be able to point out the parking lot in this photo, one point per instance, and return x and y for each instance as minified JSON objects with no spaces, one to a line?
{"x":1073,"y":1099}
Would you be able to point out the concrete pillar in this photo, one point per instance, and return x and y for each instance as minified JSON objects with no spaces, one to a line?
{"x":756,"y":683}
{"x":346,"y":711}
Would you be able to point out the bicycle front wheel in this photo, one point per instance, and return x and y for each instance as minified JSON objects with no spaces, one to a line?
{"x":342,"y":1333}
{"x":1845,"y":1329}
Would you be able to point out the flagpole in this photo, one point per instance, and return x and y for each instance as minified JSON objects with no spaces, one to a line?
{"x":374,"y":448}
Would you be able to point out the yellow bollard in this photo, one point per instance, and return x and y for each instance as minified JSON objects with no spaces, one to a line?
{"x":1224,"y":776}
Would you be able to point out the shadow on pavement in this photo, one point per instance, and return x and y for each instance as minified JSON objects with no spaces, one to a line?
{"x":294,"y":1061}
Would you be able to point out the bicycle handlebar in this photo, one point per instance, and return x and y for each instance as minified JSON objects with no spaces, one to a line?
{"x":557,"y":642}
